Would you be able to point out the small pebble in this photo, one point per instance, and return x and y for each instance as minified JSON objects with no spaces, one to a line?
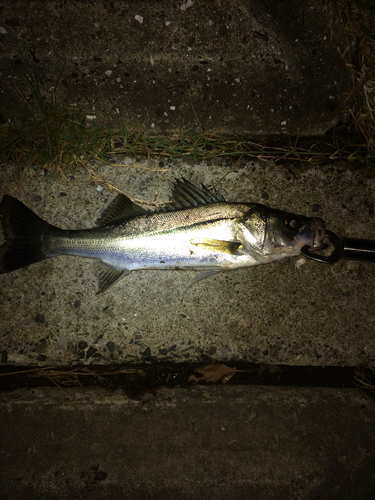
{"x":315,"y":207}
{"x":186,"y":5}
{"x":61,"y":343}
{"x":40,"y":318}
{"x":110,"y":346}
{"x":91,"y":350}
{"x":146,"y":352}
{"x":82,"y":345}
{"x":300,"y":262}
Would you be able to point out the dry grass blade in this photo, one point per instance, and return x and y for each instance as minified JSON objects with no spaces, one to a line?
{"x":357,"y":48}
{"x":365,"y":378}
{"x":229,"y":171}
{"x":97,"y":178}
{"x":76,"y":375}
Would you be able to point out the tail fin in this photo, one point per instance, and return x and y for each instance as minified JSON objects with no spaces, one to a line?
{"x":23,"y":232}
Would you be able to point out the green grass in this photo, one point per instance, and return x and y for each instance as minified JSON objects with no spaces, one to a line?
{"x":57,"y":138}
{"x":48,"y":134}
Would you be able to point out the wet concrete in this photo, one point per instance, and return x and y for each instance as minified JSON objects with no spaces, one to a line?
{"x":205,"y":442}
{"x":245,"y":68}
{"x":295,"y":311}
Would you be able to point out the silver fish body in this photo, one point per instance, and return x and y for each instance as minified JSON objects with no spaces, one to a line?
{"x":196,"y":230}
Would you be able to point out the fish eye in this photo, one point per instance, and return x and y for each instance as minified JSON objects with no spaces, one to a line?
{"x":292,"y":223}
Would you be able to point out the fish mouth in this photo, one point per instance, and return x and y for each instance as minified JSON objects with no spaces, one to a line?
{"x":319,"y":229}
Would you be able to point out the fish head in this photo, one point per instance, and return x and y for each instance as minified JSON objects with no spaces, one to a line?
{"x":274,"y":234}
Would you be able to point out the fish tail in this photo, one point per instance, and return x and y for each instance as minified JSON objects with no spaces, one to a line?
{"x":23,"y":232}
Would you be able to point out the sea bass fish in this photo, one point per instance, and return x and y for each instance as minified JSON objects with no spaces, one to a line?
{"x":197,"y":229}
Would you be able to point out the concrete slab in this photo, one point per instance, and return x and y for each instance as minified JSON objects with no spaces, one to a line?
{"x":215,"y":442}
{"x":295,"y":311}
{"x":251,"y":69}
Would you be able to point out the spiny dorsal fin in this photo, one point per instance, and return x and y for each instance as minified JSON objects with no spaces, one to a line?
{"x":119,"y":209}
{"x":186,"y":195}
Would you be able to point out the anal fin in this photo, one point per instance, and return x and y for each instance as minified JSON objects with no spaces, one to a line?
{"x":109,"y":276}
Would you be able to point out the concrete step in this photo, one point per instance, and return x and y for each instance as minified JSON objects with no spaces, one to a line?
{"x":209,"y":443}
{"x":252,"y":69}
{"x":295,"y":311}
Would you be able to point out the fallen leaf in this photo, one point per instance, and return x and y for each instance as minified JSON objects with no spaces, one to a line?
{"x":212,"y":373}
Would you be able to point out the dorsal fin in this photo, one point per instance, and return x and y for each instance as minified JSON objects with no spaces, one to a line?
{"x":119,"y":209}
{"x":186,"y":195}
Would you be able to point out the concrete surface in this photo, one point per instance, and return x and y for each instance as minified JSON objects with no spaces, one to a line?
{"x":248,"y":68}
{"x":295,"y":311}
{"x":209,"y":443}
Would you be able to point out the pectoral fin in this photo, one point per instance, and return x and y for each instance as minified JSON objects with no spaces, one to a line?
{"x":221,"y":246}
{"x":109,"y":276}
